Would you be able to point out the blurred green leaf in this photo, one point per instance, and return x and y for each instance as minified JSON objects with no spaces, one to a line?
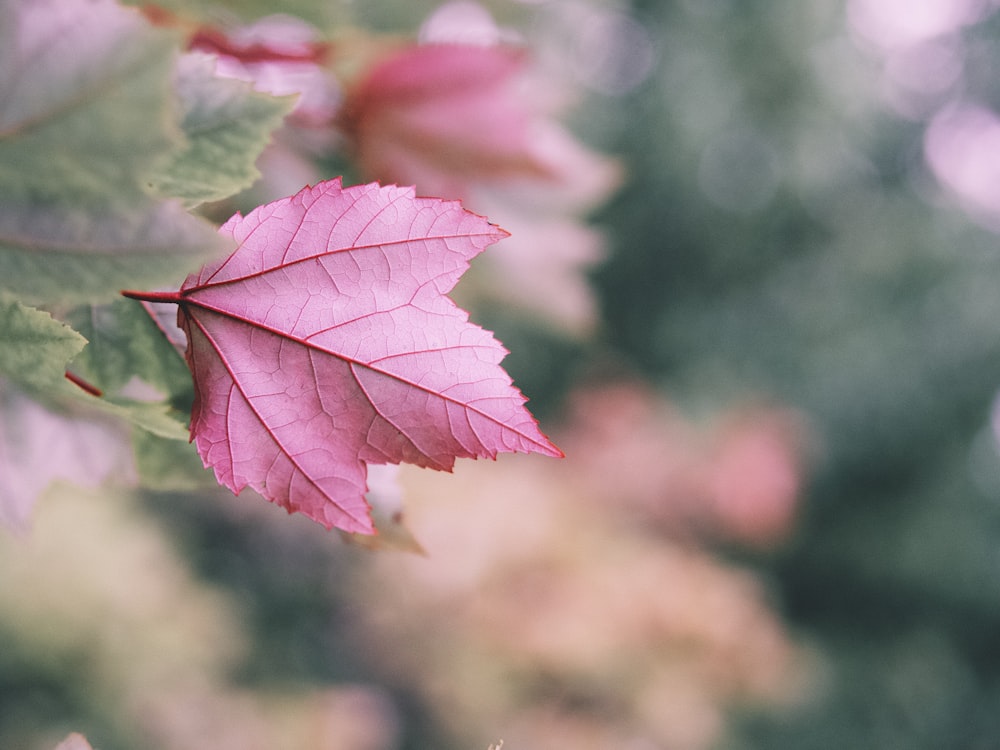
{"x":154,"y":417}
{"x":88,"y":109}
{"x":227,"y":125}
{"x":320,"y":12}
{"x":125,"y":342}
{"x":34,"y":347}
{"x":169,"y":465}
{"x":34,"y":351}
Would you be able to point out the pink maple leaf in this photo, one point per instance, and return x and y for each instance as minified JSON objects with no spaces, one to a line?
{"x":326,"y":342}
{"x":280,"y":55}
{"x":39,"y":447}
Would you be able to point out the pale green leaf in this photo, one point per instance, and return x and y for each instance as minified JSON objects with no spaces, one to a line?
{"x":53,"y":253}
{"x":34,"y":352}
{"x":34,"y":347}
{"x":87,"y":110}
{"x":155,"y":417}
{"x":169,"y":464}
{"x":125,"y":342}
{"x":323,"y":13}
{"x":227,"y":125}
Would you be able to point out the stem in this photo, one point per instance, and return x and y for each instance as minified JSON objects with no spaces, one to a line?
{"x":172,"y":297}
{"x":90,"y":388}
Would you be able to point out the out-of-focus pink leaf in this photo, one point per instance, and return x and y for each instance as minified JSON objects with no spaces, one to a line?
{"x":438,"y":115}
{"x":480,"y":123}
{"x":738,"y":476}
{"x":541,"y":270}
{"x":280,"y":55}
{"x":326,"y":342}
{"x":38,"y":447}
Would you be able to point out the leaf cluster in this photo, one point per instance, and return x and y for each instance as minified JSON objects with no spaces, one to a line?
{"x":109,"y":136}
{"x":318,"y":330}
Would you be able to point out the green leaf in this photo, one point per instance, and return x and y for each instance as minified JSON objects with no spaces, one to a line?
{"x":320,"y":12}
{"x":227,"y":125}
{"x":87,"y":111}
{"x":169,"y":464}
{"x":125,"y":342}
{"x":48,"y":253}
{"x":154,"y":417}
{"x":34,"y":351}
{"x":34,"y":347}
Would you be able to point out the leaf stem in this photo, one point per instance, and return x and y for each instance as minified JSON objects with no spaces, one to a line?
{"x":171,"y":297}
{"x":90,"y":388}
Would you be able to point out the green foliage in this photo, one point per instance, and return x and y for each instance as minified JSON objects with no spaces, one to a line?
{"x":87,"y":131}
{"x":844,"y":293}
{"x":105,"y":137}
{"x":225,"y":123}
{"x":125,"y":342}
{"x":157,"y":418}
{"x":77,"y":142}
{"x":165,"y":464}
{"x":34,"y":348}
{"x":34,"y":352}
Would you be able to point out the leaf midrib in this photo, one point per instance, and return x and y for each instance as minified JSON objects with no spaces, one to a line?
{"x":354,"y":361}
{"x":323,"y":253}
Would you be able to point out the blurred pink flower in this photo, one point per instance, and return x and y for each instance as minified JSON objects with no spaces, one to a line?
{"x":754,"y":475}
{"x":539,"y":269}
{"x":473,"y":122}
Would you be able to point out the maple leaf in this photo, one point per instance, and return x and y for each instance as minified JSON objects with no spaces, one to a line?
{"x":326,"y":342}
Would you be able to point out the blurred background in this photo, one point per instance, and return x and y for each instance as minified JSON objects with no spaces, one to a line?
{"x":758,"y":311}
